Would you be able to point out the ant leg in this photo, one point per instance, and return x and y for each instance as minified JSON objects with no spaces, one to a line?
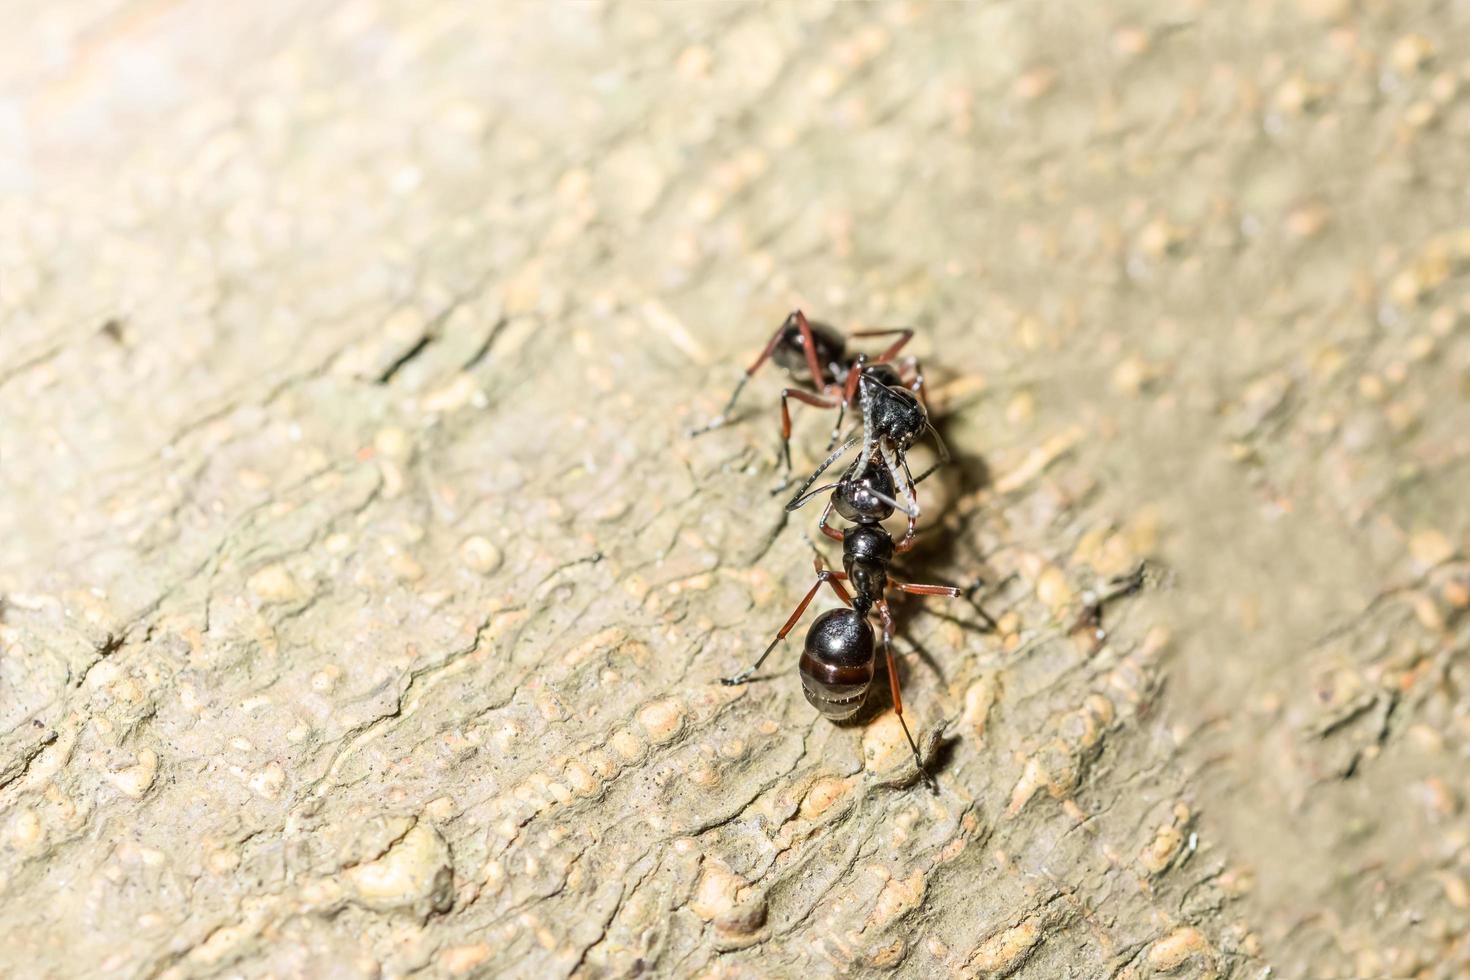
{"x":948,"y":591}
{"x":837,"y":429}
{"x":827,"y":529}
{"x":806,"y":397}
{"x":912,"y":589}
{"x":809,"y":344}
{"x":834,"y":579}
{"x":916,"y":384}
{"x":849,"y":390}
{"x":799,"y":320}
{"x":969,"y":594}
{"x":882,"y":605}
{"x":765,"y":354}
{"x":905,"y":335}
{"x":823,"y":575}
{"x":908,"y":474}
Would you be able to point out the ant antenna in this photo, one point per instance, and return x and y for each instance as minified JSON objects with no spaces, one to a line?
{"x":800,"y":501}
{"x":944,"y":457}
{"x":908,"y":509}
{"x":837,"y":454}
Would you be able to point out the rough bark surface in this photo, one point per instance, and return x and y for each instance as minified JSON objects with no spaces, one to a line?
{"x":364,"y":601}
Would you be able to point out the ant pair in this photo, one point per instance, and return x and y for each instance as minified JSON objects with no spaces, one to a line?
{"x":890,"y":393}
{"x":838,"y":655}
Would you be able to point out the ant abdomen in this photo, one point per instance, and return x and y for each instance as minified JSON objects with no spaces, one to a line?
{"x":830,"y":345}
{"x":837,"y":663}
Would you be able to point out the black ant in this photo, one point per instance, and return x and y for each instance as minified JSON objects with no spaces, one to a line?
{"x":837,"y":659}
{"x":833,"y":375}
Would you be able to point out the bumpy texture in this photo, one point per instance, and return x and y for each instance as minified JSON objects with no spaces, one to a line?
{"x":364,"y":602}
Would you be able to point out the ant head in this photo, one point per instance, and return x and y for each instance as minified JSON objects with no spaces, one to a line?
{"x":867,"y":499}
{"x":893,"y":412}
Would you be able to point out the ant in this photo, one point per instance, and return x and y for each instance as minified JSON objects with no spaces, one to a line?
{"x":836,"y":664}
{"x":833,"y":375}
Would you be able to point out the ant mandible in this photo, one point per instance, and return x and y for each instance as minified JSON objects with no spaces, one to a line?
{"x":837,"y":658}
{"x":832,"y":373}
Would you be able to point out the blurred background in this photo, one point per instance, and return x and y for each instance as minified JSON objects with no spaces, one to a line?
{"x":363,"y":600}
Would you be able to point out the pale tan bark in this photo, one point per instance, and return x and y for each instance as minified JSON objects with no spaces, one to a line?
{"x":364,"y":602}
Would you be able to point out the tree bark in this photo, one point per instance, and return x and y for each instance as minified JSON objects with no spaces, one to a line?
{"x":365,"y":600}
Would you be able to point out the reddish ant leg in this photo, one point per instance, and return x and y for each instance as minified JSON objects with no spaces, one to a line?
{"x":912,"y":589}
{"x":849,"y":392}
{"x":811,"y":359}
{"x":834,"y":533}
{"x":823,"y":575}
{"x":905,"y":335}
{"x":806,"y":397}
{"x":810,"y":345}
{"x":882,"y":606}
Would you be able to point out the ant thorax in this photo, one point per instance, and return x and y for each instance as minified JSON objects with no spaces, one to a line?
{"x":866,"y":551}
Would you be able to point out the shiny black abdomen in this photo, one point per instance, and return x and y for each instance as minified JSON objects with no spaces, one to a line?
{"x":837,"y":663}
{"x":790,"y":351}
